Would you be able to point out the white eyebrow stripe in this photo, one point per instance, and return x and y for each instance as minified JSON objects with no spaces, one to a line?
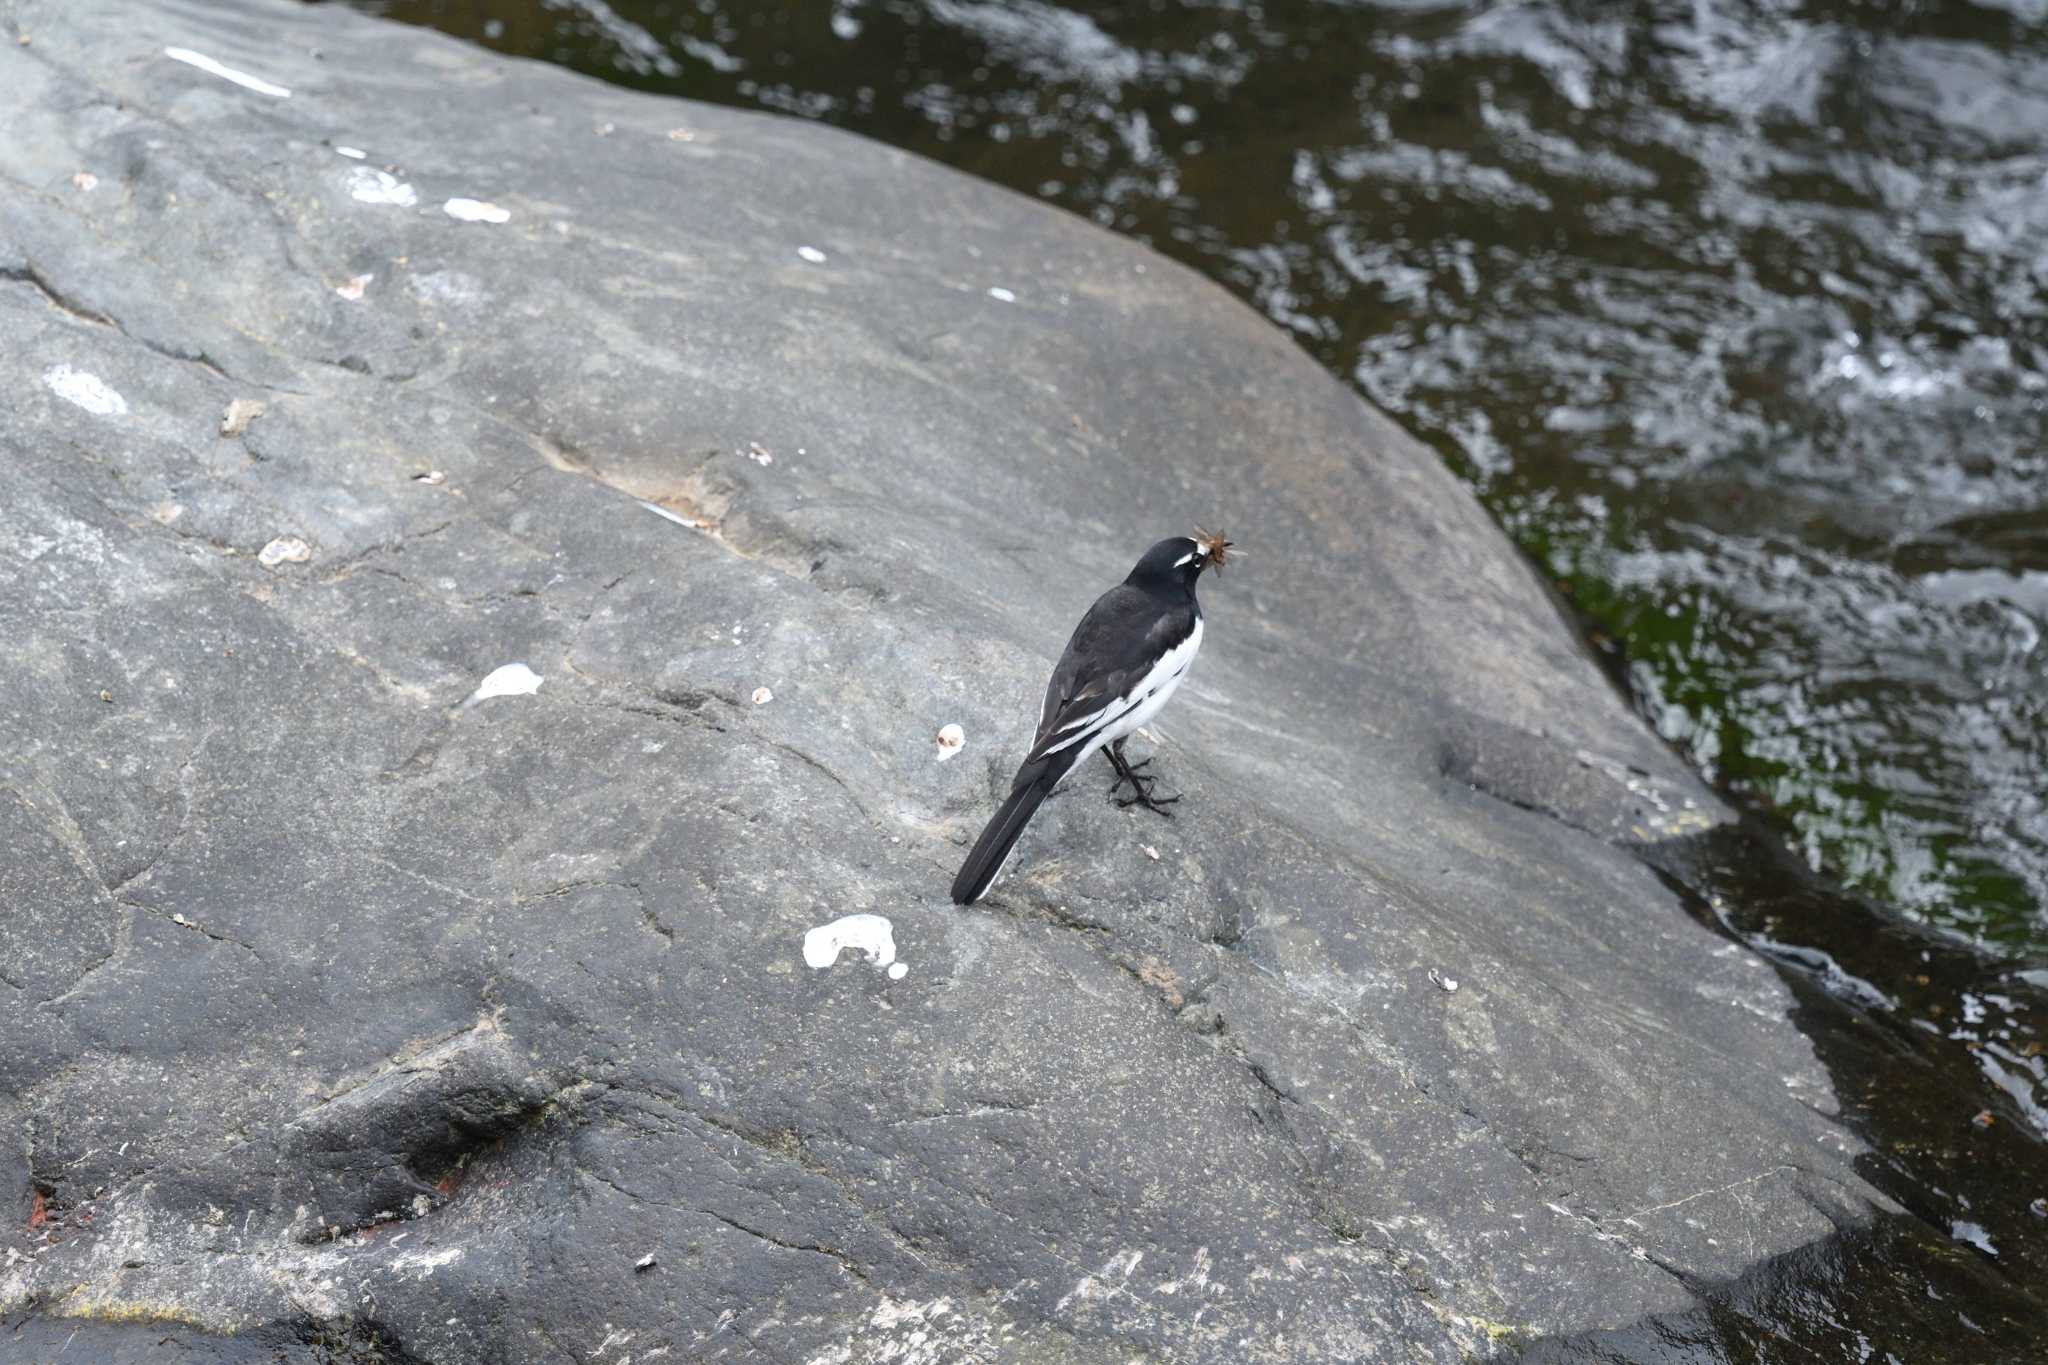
{"x":1182,"y":560}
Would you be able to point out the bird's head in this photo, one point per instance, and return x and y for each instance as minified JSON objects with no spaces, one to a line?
{"x":1182,"y":559}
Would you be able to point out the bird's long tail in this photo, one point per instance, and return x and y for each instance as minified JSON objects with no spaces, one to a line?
{"x":1035,"y":781}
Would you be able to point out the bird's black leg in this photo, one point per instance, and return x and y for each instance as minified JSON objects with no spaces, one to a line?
{"x":1141,"y":787}
{"x":1126,"y":771}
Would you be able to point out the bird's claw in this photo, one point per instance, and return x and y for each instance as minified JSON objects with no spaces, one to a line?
{"x":1141,"y":787}
{"x":1156,"y":804}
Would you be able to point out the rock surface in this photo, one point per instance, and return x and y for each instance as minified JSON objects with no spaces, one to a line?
{"x":359,"y":1009}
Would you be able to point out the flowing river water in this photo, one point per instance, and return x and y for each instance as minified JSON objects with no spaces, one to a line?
{"x":1735,"y":315}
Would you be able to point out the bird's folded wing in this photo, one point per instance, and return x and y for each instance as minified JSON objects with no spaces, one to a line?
{"x":1078,"y":721}
{"x":1101,"y":676}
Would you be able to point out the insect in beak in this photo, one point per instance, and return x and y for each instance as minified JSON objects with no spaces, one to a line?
{"x":1214,"y":546}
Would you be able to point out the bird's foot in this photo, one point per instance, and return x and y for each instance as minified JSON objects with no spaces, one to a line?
{"x":1127,"y":772}
{"x":1156,"y":804}
{"x":1141,"y":786}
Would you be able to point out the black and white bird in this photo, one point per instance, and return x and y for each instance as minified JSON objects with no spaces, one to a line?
{"x":1124,"y":661}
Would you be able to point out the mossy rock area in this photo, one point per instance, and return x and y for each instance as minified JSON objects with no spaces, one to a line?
{"x":415,"y":795}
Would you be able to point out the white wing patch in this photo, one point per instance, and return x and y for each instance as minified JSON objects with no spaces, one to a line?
{"x":1125,"y":713}
{"x":1072,"y":740}
{"x":1086,"y":720}
{"x":1156,"y":687}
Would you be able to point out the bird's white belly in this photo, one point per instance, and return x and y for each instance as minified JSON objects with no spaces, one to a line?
{"x":1157,"y":687}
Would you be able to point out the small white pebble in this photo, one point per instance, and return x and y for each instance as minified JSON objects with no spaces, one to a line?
{"x":352,"y":153}
{"x":681,"y":135}
{"x":235,"y":420}
{"x":762,"y":696}
{"x":352,"y":288}
{"x":1449,"y":983}
{"x":1152,"y":853}
{"x":950,"y":738}
{"x":1001,"y":295}
{"x":811,"y":254}
{"x":645,"y":1262}
{"x":86,"y":181}
{"x":284,"y":550}
{"x":759,"y":454}
{"x":898,"y":971}
{"x":179,"y":919}
{"x":607,"y":129}
{"x":476,"y":211}
{"x":431,"y":477}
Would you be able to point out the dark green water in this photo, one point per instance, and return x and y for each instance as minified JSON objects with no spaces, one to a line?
{"x":1735,"y":314}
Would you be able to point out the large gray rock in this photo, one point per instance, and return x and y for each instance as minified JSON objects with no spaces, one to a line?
{"x":348,"y":1018}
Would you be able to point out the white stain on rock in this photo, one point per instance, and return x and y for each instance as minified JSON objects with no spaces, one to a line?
{"x":889,"y":1313}
{"x":509,"y":680}
{"x":88,"y":391}
{"x":476,"y":211}
{"x":449,"y":288}
{"x":368,"y":185}
{"x":869,"y":934}
{"x":1196,"y":1279}
{"x":226,"y":73}
{"x":426,"y":1263}
{"x":907,"y":1332}
{"x":1109,"y":1280}
{"x":694,"y":523}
